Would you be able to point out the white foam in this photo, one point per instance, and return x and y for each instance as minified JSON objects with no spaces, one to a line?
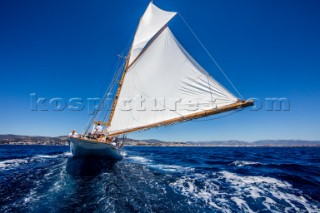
{"x":123,"y":153}
{"x":171,"y":168}
{"x":244,"y":163}
{"x":65,"y":154}
{"x":242,"y":204}
{"x":46,"y":156}
{"x":253,"y":180}
{"x":7,"y":164}
{"x":271,"y":188}
{"x":139,"y":159}
{"x":164,"y":167}
{"x":225,"y":191}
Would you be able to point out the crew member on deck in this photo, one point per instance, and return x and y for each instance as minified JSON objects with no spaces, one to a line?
{"x":73,"y":134}
{"x":98,"y":129}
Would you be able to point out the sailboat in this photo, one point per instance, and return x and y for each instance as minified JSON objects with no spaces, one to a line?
{"x":161,"y":84}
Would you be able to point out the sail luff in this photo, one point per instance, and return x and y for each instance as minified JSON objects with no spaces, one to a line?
{"x":234,"y":106}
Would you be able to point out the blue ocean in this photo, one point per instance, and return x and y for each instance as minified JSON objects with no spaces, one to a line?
{"x":161,"y":179}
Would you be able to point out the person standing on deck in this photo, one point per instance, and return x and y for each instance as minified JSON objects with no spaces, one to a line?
{"x":73,"y":134}
{"x":98,"y":129}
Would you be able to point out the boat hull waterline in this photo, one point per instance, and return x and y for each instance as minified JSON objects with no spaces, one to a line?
{"x":89,"y":148}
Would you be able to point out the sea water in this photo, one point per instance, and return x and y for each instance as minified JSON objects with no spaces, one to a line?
{"x":161,"y":179}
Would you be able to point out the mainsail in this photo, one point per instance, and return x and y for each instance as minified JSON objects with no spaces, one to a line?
{"x":162,"y":83}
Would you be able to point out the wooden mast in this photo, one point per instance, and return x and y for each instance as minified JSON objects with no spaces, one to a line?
{"x":115,"y":101}
{"x":127,"y":67}
{"x":237,"y":105}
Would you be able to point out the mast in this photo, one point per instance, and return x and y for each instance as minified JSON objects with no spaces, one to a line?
{"x":116,"y":98}
{"x":237,"y":105}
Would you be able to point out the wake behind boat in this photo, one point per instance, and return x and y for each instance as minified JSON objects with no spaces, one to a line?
{"x":161,"y":84}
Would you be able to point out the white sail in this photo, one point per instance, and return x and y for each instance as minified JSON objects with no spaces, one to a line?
{"x":164,"y":74}
{"x":150,"y":24}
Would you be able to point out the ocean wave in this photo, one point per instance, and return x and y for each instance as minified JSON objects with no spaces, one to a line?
{"x":228,"y":192}
{"x":14,"y":163}
{"x":56,"y":176}
{"x":163,"y":167}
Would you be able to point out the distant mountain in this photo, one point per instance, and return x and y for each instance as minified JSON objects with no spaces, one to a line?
{"x":259,"y":143}
{"x":32,"y":140}
{"x":147,"y":140}
{"x":286,"y":142}
{"x":62,"y":140}
{"x":229,"y":142}
{"x":154,"y":142}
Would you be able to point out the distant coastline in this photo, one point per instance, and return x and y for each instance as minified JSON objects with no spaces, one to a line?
{"x":11,"y":139}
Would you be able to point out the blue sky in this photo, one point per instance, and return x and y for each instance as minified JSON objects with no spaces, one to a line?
{"x":66,"y":49}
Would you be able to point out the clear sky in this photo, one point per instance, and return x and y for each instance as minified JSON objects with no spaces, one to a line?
{"x":66,"y":49}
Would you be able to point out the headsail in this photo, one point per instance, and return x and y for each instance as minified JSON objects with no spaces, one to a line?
{"x":162,"y":83}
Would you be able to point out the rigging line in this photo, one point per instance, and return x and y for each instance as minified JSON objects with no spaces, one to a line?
{"x":103,"y":100}
{"x":117,"y":76}
{"x":110,"y":88}
{"x":105,"y":95}
{"x":209,"y":54}
{"x":108,"y":91}
{"x":116,"y":82}
{"x":106,"y":79}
